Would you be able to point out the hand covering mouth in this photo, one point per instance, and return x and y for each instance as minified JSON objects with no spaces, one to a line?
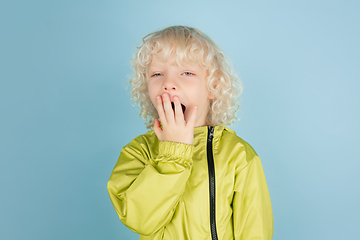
{"x":182,"y":107}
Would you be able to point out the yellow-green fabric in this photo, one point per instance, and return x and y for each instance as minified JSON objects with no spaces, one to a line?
{"x":161,"y":189}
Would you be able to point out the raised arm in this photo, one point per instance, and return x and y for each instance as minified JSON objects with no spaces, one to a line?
{"x":146,"y":190}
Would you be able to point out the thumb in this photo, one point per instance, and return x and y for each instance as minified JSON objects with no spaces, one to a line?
{"x":157,"y":128}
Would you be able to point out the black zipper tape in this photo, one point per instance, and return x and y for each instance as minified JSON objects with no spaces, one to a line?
{"x":211,"y":168}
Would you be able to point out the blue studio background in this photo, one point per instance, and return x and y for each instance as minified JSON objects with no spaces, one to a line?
{"x":66,"y":110}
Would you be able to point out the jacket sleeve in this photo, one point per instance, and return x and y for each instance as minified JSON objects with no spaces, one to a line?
{"x":145,"y":191}
{"x":252,"y":211}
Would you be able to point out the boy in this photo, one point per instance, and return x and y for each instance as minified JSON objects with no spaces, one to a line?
{"x":191,"y":177}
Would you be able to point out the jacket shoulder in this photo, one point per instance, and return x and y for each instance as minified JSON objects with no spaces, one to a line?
{"x":242,"y":147}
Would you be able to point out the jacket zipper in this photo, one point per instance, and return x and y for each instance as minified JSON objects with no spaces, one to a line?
{"x":211,"y":168}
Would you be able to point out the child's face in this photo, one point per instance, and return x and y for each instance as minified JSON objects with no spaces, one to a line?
{"x":188,"y":82}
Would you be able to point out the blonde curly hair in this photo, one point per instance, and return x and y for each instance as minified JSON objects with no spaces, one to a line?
{"x":195,"y":47}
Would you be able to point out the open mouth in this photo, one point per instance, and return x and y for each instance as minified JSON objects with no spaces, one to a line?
{"x":182,"y":107}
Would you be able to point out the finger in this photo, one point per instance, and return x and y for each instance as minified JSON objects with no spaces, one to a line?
{"x":169,"y":113}
{"x":179,"y":115}
{"x":160,"y":109}
{"x":157,"y":129}
{"x":192,"y":119}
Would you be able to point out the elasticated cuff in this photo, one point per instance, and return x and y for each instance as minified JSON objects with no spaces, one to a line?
{"x":179,"y":152}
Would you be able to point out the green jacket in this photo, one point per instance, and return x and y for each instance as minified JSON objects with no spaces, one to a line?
{"x":213,"y":189}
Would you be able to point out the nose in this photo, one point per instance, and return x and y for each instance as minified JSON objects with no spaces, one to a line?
{"x":169,"y":84}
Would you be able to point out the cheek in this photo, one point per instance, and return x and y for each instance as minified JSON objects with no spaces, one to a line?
{"x":152,"y":93}
{"x":150,"y":88}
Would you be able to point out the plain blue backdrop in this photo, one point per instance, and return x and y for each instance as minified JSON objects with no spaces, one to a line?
{"x":66,"y":110}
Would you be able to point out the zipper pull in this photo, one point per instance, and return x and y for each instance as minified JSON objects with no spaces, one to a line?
{"x":211,"y":133}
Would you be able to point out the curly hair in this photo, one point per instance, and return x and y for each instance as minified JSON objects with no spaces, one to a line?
{"x":195,"y":47}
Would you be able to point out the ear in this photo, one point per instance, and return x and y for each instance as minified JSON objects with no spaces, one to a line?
{"x":211,"y":95}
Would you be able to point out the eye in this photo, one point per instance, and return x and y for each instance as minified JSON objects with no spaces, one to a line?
{"x":156,"y":75}
{"x":188,"y":73}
